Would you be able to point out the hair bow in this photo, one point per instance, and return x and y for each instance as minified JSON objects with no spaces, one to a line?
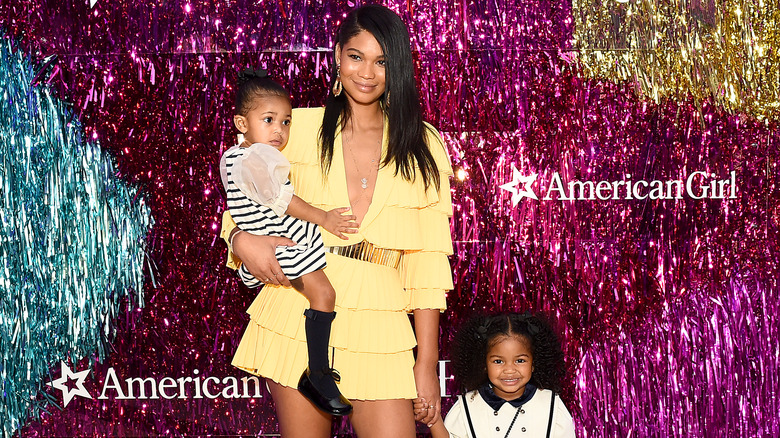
{"x":249,"y":73}
{"x":482,"y":331}
{"x":530,"y":323}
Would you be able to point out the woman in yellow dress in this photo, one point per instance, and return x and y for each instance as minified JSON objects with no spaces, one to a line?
{"x":369,"y":149}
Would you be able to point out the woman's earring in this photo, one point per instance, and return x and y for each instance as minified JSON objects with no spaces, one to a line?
{"x":337,"y":87}
{"x":387,"y":99}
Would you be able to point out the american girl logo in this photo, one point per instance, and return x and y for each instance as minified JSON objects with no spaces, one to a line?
{"x":137,"y":388}
{"x":698,"y":185}
{"x":142,"y":388}
{"x":72,"y":384}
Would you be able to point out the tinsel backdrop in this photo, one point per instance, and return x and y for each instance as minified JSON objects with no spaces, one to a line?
{"x":115,"y":114}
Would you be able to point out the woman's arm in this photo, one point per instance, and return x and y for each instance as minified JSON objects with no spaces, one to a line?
{"x":257,"y":253}
{"x":427,"y":275}
{"x":426,"y":327}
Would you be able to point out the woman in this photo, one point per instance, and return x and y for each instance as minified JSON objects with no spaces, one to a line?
{"x":375,"y":154}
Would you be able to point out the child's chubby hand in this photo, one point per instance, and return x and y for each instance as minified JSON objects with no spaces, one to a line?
{"x":337,"y":222}
{"x":425,"y":411}
{"x":421,"y":408}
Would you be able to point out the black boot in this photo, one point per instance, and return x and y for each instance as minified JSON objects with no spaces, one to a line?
{"x":336,"y":406}
{"x":318,"y":382}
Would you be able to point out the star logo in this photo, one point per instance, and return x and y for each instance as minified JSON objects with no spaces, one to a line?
{"x":70,"y":384}
{"x":517,"y":180}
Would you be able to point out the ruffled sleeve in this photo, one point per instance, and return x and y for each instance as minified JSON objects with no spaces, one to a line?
{"x":261,"y":173}
{"x":426,"y":271}
{"x":302,"y":150}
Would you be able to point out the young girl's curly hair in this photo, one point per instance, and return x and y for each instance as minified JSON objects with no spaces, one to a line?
{"x":472,"y":341}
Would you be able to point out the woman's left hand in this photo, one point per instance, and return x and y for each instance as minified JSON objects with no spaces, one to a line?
{"x":428,"y":393}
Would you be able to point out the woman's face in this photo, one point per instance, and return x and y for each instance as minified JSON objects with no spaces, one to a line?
{"x":362,"y":68}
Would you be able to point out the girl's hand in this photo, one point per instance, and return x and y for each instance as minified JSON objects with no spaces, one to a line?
{"x":428,"y":395}
{"x":438,"y":430}
{"x":420,"y":408}
{"x":337,"y":223}
{"x":258,"y":253}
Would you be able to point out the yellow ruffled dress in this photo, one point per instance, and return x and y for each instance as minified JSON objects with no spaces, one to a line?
{"x":372,"y":338}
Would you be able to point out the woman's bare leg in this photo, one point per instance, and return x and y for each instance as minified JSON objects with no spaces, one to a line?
{"x":297,"y":417}
{"x":383,"y":418}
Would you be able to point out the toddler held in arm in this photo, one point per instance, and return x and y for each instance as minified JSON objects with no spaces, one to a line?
{"x":261,"y":200}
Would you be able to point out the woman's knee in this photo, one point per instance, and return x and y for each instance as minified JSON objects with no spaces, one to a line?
{"x":296,"y":415}
{"x":383,"y":418}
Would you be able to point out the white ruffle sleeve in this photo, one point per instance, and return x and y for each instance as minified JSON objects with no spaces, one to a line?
{"x":261,"y":173}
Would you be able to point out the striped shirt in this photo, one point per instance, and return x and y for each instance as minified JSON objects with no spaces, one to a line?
{"x":261,"y":219}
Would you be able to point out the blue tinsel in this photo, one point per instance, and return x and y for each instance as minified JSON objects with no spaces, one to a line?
{"x":72,"y":240}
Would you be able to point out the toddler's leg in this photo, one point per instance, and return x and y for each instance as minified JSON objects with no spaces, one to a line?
{"x":316,"y":287}
{"x":317,"y":383}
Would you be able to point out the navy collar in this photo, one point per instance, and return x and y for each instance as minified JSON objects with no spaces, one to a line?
{"x":495,"y":402}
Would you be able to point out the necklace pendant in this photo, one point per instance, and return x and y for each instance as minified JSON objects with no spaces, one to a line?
{"x":364,"y":183}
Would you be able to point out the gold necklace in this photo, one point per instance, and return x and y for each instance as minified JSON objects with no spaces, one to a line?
{"x":374,"y":164}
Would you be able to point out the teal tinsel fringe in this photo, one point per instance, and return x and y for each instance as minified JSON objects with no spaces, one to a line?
{"x":72,"y":240}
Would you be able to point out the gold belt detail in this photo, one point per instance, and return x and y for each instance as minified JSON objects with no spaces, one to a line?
{"x":367,"y":252}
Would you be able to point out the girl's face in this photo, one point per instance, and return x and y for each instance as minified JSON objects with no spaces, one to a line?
{"x":509,"y":365}
{"x":361,"y":64}
{"x":267,"y":122}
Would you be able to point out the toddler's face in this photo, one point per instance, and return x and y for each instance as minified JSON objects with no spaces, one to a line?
{"x":267,"y":122}
{"x":509,"y":366}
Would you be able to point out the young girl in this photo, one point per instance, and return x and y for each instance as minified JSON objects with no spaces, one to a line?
{"x":261,"y":200}
{"x":511,"y":366}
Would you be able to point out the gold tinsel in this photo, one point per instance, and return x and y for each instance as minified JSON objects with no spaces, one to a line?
{"x":723,"y":51}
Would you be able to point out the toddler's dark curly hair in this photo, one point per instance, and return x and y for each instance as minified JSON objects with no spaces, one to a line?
{"x":474,"y":339}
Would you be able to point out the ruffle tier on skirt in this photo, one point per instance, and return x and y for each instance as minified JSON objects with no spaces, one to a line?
{"x":371,"y":338}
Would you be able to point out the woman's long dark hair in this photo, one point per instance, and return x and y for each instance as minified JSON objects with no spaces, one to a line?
{"x":407,"y":145}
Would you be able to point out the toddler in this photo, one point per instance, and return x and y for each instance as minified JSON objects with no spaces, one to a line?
{"x":261,"y":200}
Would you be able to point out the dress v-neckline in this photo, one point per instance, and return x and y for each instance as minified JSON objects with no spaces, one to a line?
{"x":381,"y":185}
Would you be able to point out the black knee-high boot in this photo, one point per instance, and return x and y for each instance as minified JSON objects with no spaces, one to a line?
{"x":318,"y":381}
{"x":317,"y":327}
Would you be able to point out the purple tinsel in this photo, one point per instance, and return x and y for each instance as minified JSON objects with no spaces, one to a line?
{"x":667,"y":306}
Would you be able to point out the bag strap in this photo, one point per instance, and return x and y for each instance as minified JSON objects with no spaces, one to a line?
{"x":468,"y":416}
{"x":549,"y":421}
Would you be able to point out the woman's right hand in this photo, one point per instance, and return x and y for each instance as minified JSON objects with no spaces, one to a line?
{"x":258,"y":254}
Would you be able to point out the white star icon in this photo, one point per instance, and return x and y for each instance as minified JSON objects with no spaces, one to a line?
{"x":62,"y":384}
{"x":518,"y":179}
